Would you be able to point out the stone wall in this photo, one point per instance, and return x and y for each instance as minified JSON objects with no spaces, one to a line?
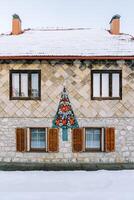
{"x":124,"y":135}
{"x":75,"y":75}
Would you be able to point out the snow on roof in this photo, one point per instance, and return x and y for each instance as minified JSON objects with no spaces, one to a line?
{"x":66,"y":42}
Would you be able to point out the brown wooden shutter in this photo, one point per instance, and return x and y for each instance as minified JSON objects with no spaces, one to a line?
{"x":77,"y":139}
{"x":21,"y":139}
{"x":109,"y":139}
{"x":53,"y":140}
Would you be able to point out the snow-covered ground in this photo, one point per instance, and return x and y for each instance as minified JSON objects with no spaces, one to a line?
{"x":80,"y":185}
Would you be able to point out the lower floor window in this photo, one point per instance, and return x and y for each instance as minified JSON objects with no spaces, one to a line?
{"x":83,"y":139}
{"x":38,"y":138}
{"x":93,"y":139}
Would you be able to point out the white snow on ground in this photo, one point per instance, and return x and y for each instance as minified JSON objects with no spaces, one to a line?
{"x":77,"y":185}
{"x":73,"y":42}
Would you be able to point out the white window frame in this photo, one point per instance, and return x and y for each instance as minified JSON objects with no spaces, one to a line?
{"x":29,"y":149}
{"x":101,"y":140}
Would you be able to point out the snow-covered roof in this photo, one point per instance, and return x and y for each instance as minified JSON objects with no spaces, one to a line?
{"x":66,"y":42}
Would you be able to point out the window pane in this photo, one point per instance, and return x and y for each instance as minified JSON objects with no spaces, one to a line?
{"x":24,"y":85}
{"x":115,"y":85}
{"x":15,"y":85}
{"x":35,"y":85}
{"x":93,"y":138}
{"x":105,"y":85}
{"x":96,"y":85}
{"x":89,"y":139}
{"x":38,"y":138}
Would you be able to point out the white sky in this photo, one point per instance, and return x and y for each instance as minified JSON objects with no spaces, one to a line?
{"x":67,"y":13}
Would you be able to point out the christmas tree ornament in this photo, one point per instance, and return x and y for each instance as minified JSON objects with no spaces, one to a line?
{"x":65,"y":117}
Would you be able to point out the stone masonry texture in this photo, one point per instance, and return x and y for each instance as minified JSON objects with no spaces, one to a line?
{"x":75,"y":75}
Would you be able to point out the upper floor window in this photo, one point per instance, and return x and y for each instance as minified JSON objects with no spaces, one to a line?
{"x":106,"y":84}
{"x":25,"y":84}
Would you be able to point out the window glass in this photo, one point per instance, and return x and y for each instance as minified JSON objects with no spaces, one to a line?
{"x":24,"y":85}
{"x":15,"y":85}
{"x":115,"y":85}
{"x":38,"y":138}
{"x":96,"y":85}
{"x":105,"y":85}
{"x":92,"y":138}
{"x":35,"y":85}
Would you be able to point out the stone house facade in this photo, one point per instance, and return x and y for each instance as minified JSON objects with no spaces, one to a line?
{"x":101,"y":92}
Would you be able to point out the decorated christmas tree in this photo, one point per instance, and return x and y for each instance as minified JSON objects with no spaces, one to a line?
{"x":65,"y":117}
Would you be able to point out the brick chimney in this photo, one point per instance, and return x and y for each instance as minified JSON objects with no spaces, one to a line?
{"x":115,"y":25}
{"x":16,"y":25}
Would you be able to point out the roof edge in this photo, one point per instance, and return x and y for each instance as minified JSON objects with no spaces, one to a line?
{"x":67,"y":57}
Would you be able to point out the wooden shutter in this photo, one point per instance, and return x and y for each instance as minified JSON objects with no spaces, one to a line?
{"x":21,"y":139}
{"x":53,"y":140}
{"x":109,"y":139}
{"x":77,"y":139}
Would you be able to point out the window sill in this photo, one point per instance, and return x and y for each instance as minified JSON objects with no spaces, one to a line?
{"x":106,"y":98}
{"x":37,"y":151}
{"x":26,"y":98}
{"x":92,"y":150}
